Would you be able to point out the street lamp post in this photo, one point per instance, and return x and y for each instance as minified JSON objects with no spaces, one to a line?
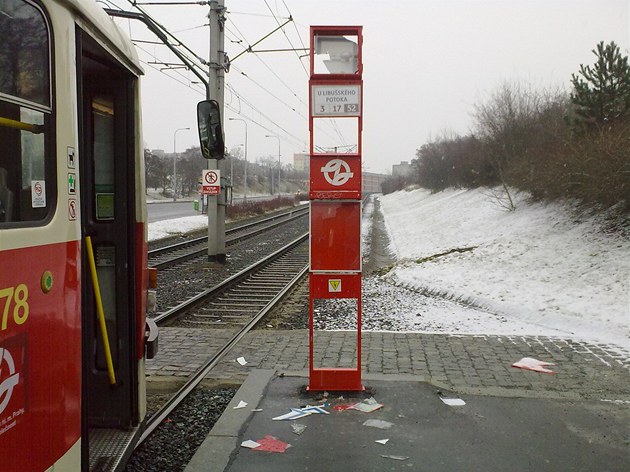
{"x":245,"y":183}
{"x":175,"y":162}
{"x":279,"y":165}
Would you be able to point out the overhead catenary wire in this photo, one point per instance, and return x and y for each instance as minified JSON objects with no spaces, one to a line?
{"x":248,"y":49}
{"x":159,"y":30}
{"x":180,"y":43}
{"x":286,"y":36}
{"x":301,"y":144}
{"x":270,"y":120}
{"x":232,"y":12}
{"x":287,"y":105}
{"x":296,"y":29}
{"x":198,"y":58}
{"x":200,"y":63}
{"x":184,"y":80}
{"x":331,"y":122}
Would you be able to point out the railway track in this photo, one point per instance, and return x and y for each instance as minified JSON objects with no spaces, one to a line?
{"x":240,"y":303}
{"x":175,"y":254}
{"x":237,"y":304}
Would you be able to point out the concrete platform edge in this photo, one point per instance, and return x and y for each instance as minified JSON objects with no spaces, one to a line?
{"x":215,"y":451}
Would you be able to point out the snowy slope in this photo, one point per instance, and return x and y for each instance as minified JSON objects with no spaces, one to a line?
{"x":535,"y":265}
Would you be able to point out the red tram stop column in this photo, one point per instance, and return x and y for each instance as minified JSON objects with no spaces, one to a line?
{"x":336,"y":94}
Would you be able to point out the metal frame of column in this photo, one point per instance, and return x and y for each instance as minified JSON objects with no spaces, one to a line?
{"x":335,"y":197}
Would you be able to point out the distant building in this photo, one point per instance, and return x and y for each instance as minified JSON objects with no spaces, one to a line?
{"x":372,"y":182}
{"x":301,"y":162}
{"x":403,"y":169}
{"x":158,"y":152}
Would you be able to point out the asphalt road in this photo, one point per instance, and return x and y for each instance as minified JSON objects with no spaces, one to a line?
{"x":170,"y":210}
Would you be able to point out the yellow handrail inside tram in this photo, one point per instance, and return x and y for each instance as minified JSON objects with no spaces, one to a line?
{"x":9,"y":123}
{"x":101,"y":313}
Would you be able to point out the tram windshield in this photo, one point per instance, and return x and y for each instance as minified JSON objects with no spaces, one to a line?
{"x":26,"y":164}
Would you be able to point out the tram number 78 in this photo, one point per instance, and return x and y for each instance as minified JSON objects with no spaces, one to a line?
{"x":16,"y":297}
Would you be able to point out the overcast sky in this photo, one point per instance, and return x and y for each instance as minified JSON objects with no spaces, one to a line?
{"x":426,"y":64}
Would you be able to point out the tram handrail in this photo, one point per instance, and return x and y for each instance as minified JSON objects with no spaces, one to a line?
{"x":9,"y":123}
{"x":101,"y":313}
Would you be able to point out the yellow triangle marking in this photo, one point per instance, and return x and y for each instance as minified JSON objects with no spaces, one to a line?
{"x":334,"y":285}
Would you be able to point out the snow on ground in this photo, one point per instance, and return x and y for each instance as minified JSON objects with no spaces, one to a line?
{"x":531,"y":271}
{"x":166,"y":228}
{"x":177,"y":226}
{"x":534,"y":271}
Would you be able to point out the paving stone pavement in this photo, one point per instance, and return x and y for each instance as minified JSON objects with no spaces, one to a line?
{"x":459,"y":363}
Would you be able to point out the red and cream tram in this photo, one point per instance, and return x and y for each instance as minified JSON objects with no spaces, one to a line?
{"x":73,"y":268}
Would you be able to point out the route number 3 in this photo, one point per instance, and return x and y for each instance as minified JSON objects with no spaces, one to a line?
{"x":16,"y":298}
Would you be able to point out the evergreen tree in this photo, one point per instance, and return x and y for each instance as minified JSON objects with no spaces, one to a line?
{"x":601,"y":93}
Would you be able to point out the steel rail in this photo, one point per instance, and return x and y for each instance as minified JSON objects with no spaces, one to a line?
{"x":284,"y":218}
{"x":197,"y":377}
{"x":178,"y":309}
{"x":172,"y":247}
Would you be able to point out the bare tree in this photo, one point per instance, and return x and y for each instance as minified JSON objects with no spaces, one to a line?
{"x":509,"y":126}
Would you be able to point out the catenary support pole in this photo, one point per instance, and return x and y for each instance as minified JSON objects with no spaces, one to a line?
{"x":216,"y":203}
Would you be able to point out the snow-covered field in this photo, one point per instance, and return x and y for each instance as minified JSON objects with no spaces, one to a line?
{"x":535,"y":270}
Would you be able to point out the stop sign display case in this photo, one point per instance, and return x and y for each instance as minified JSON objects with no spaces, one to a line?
{"x":336,"y":93}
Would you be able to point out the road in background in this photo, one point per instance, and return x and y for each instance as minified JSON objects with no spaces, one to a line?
{"x":170,"y":210}
{"x":167,"y":210}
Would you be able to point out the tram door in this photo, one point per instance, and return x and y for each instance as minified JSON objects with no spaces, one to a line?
{"x":106,"y":158}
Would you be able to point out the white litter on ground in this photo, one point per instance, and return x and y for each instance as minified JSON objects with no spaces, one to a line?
{"x":453,"y":401}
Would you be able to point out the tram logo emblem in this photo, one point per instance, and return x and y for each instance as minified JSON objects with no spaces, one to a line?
{"x":7,"y":382}
{"x":337,"y":172}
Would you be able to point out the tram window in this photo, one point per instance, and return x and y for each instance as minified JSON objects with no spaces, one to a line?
{"x":103,"y":118}
{"x":24,"y":52}
{"x":27,"y":169}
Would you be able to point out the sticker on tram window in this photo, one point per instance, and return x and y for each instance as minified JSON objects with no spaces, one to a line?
{"x":106,"y":256}
{"x":104,"y":206}
{"x":38,"y":193}
{"x":14,"y":305}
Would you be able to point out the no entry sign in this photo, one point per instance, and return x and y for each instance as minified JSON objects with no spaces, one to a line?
{"x":210,"y":182}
